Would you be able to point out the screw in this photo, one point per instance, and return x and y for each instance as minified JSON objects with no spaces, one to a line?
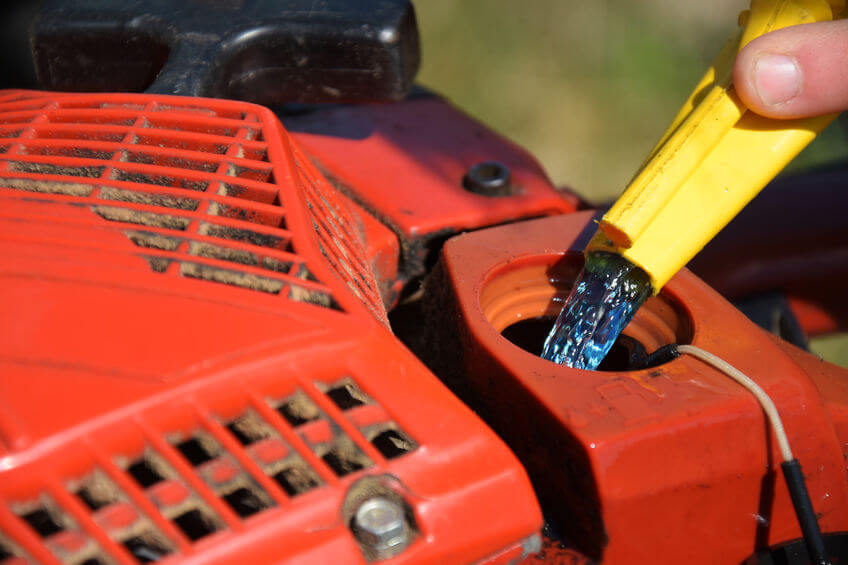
{"x":488,"y":178}
{"x":380,"y":525}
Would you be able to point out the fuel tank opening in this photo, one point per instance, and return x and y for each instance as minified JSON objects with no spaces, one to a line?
{"x":522,"y":298}
{"x":626,"y":353}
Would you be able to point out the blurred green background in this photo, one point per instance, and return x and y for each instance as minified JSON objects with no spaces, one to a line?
{"x":587,"y":86}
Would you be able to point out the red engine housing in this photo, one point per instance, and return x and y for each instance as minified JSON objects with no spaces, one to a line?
{"x":672,"y":464}
{"x":196,"y":362}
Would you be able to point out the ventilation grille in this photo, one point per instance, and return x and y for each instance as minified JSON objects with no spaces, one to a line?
{"x":10,"y":553}
{"x":186,"y":486}
{"x":113,"y":512}
{"x":60,"y":533}
{"x":195,"y":189}
{"x":337,"y":236}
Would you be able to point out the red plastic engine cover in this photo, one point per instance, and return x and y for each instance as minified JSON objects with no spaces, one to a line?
{"x":194,"y":356}
{"x":673,"y":464}
{"x":405,"y":163}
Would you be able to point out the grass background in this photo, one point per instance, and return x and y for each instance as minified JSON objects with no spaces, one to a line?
{"x":587,"y":86}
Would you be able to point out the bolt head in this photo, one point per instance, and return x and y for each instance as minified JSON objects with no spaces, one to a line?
{"x":381,"y":524}
{"x":488,"y":178}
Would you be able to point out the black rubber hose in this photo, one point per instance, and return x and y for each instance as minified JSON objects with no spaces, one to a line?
{"x":662,"y":355}
{"x":804,"y":510}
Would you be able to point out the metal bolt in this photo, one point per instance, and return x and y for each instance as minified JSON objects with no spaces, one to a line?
{"x":488,"y":178}
{"x":380,"y":525}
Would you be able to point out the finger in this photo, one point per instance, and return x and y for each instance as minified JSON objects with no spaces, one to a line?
{"x":795,"y":72}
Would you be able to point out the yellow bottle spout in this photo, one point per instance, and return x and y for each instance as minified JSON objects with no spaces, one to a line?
{"x":713,"y":159}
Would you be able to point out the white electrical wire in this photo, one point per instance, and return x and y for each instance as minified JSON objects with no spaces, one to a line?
{"x":753,"y":388}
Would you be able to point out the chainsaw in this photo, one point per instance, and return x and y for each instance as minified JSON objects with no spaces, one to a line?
{"x":266,"y":300}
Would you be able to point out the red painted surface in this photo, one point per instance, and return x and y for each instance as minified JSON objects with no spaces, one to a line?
{"x":117,"y":516}
{"x":171,"y":264}
{"x":69,"y":541}
{"x":268,"y":451}
{"x":168,"y":493}
{"x":820,"y":311}
{"x":219,"y":471}
{"x":406,"y":163}
{"x":675,"y":461}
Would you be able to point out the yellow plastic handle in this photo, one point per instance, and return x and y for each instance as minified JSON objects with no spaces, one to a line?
{"x":712,"y":161}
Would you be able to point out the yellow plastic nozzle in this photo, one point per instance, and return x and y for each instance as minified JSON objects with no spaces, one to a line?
{"x":714,"y":158}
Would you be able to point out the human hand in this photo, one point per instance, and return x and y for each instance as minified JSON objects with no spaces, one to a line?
{"x":795,"y":72}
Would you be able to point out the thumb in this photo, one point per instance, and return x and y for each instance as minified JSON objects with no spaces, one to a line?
{"x":795,"y":72}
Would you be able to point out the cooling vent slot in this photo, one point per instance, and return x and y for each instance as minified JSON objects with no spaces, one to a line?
{"x":323,"y":436}
{"x":327,"y":439}
{"x":223,"y":475}
{"x":384,"y":434}
{"x":172,"y":498}
{"x":346,"y":395}
{"x":390,"y":441}
{"x":337,"y":235}
{"x":59,"y":532}
{"x":10,"y":553}
{"x":193,"y":188}
{"x":5,"y":550}
{"x":121,"y":520}
{"x":274,"y":456}
{"x":187,"y":485}
{"x":298,"y":409}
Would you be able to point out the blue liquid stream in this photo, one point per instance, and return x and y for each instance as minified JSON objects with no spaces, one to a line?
{"x":606,"y":296}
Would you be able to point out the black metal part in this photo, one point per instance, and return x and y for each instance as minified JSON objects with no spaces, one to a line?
{"x":488,"y":178}
{"x":263,"y":51}
{"x":662,"y":355}
{"x":804,"y":510}
{"x":16,"y":16}
{"x":795,"y":552}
